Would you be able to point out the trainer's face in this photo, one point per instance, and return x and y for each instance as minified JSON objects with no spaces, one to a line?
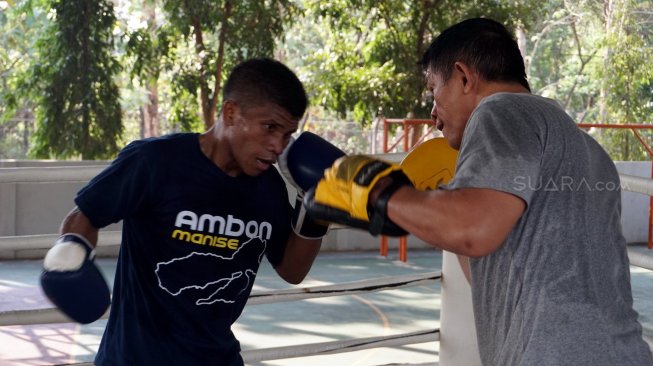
{"x":258,"y":135}
{"x":451,"y":105}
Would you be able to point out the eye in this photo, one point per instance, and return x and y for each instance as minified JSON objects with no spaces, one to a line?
{"x":270,"y":126}
{"x":433,"y":97}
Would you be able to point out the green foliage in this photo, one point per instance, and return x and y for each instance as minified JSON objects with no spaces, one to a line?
{"x":363,"y":54}
{"x":148,"y":52}
{"x":594,"y":58}
{"x":78,"y":110}
{"x":630,"y":75}
{"x":20,"y":25}
{"x":562,"y":50}
{"x":357,"y":59}
{"x":622,"y":144}
{"x":207,"y":38}
{"x":628,"y":80}
{"x":183,"y":114}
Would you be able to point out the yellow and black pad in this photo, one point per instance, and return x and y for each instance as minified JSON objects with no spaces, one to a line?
{"x":431,"y":163}
{"x":428,"y":165}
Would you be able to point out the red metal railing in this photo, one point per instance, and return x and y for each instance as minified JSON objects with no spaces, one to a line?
{"x":408,"y":124}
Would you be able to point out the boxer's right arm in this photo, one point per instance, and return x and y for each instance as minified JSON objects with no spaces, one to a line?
{"x":470,"y":221}
{"x":70,"y":278}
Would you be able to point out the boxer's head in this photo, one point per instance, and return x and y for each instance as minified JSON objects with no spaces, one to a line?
{"x":263,"y":102}
{"x":263,"y":80}
{"x":464,"y":64}
{"x":484,"y":45}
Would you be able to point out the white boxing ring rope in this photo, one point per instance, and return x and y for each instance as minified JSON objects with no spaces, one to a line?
{"x":326,"y":348}
{"x":52,"y":315}
{"x":457,"y":337}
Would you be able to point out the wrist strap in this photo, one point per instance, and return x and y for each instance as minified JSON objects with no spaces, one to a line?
{"x":79,"y":239}
{"x":378,"y":212}
{"x":303,"y":225}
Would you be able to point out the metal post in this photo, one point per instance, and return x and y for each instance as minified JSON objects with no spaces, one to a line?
{"x":403,"y":248}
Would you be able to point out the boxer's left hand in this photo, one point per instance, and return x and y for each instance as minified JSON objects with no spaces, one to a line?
{"x":302,"y":163}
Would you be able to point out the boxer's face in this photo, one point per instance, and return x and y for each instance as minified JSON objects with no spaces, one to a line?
{"x":451,"y":107}
{"x":258,"y":135}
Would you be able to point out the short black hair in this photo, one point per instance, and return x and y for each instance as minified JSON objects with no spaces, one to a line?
{"x":261,"y":80}
{"x":483,"y":44}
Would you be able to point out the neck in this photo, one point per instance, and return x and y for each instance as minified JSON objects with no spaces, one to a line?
{"x":212,"y":144}
{"x":493,"y":87}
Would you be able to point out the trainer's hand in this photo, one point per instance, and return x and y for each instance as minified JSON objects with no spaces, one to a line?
{"x":302,"y":163}
{"x":343,"y":195}
{"x":71,"y":280}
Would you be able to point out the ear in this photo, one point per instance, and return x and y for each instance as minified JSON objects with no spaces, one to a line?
{"x":467,"y":76}
{"x":229,"y":111}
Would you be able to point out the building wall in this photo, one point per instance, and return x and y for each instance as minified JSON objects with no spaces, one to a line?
{"x":38,"y":208}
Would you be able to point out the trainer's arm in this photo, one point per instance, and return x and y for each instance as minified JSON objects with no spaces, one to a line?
{"x":77,"y":222}
{"x":471,"y":221}
{"x":298,"y":258}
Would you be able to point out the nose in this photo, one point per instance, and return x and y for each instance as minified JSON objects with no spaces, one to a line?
{"x":434,"y":112}
{"x":434,"y":117}
{"x":277,"y":144}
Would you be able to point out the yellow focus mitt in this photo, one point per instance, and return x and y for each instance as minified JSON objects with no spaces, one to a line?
{"x":342,"y":195}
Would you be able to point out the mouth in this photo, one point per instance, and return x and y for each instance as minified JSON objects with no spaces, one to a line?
{"x":439,"y":125}
{"x":265,"y":163}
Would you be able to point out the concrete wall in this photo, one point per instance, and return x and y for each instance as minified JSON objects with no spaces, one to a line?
{"x":635,"y":206}
{"x":38,"y":208}
{"x":35,"y":208}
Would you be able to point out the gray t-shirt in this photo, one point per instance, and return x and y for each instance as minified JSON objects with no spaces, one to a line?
{"x":557,"y":292}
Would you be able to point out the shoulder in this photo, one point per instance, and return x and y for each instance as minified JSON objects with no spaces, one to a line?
{"x":504,"y":121}
{"x":515,"y":100}
{"x":165,"y":142}
{"x":520,"y":103}
{"x":529,"y":111}
{"x":160,"y":145}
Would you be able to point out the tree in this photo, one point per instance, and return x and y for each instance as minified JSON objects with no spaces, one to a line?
{"x":364,"y":59}
{"x":593,"y":57}
{"x":627,"y":87}
{"x":205,"y":38}
{"x":562,"y":51}
{"x":78,"y":111}
{"x":146,"y":66}
{"x":357,"y":59}
{"x":20,"y":25}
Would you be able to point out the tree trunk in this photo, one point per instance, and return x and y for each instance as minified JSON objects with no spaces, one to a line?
{"x":151,"y":110}
{"x":608,"y":12}
{"x":213,"y":102}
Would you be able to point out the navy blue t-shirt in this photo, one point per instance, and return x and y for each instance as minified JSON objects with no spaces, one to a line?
{"x":193,"y":238}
